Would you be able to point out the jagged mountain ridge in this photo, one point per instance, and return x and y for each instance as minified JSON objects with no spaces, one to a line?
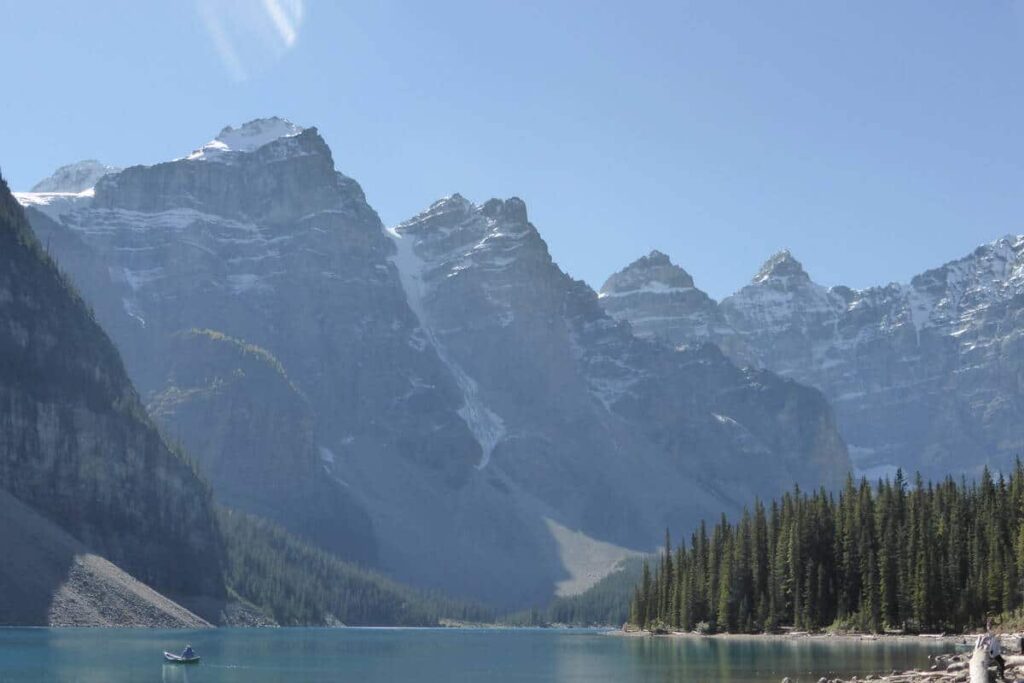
{"x":470,"y":397}
{"x":924,"y":375}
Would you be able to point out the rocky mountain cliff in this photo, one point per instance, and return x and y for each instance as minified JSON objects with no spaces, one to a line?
{"x":76,"y":444}
{"x":496,"y":426}
{"x":925,"y":375}
{"x":232,"y":405}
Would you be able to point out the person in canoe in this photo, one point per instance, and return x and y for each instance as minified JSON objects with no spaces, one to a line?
{"x":188,"y":656}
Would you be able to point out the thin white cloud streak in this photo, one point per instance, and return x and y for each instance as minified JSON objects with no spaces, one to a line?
{"x":251,"y":34}
{"x":221,"y":42}
{"x":286,"y":25}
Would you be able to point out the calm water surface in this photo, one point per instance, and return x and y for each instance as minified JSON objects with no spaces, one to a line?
{"x":432,"y":656}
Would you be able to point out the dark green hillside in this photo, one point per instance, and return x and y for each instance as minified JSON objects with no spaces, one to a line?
{"x":297,"y":584}
{"x":75,"y":442}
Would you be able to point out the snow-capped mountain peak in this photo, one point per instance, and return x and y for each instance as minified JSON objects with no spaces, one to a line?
{"x":247,"y":138}
{"x":74,"y":178}
{"x":781,"y":266}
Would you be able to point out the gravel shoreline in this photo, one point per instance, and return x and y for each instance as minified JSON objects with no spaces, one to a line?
{"x":951,"y":639}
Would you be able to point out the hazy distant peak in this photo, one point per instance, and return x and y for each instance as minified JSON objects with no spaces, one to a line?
{"x":74,"y":178}
{"x":654,"y":273}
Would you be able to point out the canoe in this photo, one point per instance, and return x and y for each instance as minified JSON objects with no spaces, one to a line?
{"x":178,"y":659}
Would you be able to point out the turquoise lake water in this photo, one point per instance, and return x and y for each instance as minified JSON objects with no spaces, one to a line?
{"x":432,"y":656}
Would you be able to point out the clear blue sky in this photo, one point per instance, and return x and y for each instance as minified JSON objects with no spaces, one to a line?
{"x":874,"y":139}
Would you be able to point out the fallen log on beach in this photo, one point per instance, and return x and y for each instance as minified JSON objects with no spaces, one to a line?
{"x":981,"y":657}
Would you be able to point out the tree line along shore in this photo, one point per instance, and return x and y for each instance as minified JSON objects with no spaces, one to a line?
{"x":889,"y":557}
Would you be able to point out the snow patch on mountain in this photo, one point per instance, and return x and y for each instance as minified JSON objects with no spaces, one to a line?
{"x":649,"y":288}
{"x":55,"y":204}
{"x":486,"y":426}
{"x":131,"y":308}
{"x":110,"y":222}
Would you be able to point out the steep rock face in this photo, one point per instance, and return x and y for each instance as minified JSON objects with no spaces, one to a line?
{"x":235,"y":410}
{"x":477,"y":403}
{"x":923,"y":376}
{"x":75,"y":442}
{"x":618,"y":435}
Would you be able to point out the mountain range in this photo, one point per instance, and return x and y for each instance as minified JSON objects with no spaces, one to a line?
{"x":437,"y":399}
{"x":926,"y":376}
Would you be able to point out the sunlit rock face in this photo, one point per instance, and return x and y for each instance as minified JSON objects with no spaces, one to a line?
{"x":924,"y":375}
{"x":463,"y":394}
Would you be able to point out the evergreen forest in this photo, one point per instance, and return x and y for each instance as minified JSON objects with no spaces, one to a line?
{"x":894,"y":555}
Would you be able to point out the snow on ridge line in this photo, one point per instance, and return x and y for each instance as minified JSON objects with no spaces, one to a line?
{"x":246,"y":138}
{"x":76,"y":177}
{"x":55,"y":204}
{"x":485,"y":425}
{"x":652,"y":287}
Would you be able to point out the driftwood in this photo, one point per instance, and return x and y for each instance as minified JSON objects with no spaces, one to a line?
{"x":981,"y":657}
